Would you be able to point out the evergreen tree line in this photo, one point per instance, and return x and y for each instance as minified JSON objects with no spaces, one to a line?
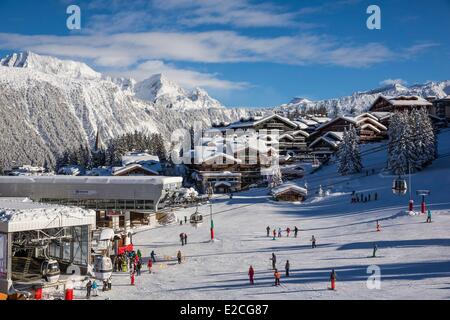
{"x":349,"y":156}
{"x":115,"y":148}
{"x":412,"y":141}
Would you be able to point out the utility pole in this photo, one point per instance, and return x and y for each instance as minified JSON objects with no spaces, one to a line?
{"x":212,"y":223}
{"x":411,"y":201}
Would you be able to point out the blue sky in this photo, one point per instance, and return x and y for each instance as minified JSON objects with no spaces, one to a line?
{"x":244,"y":52}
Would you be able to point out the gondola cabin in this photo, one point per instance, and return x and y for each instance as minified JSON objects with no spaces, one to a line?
{"x":50,"y":270}
{"x":399,"y":186}
{"x":103,"y":268}
{"x":196,"y":219}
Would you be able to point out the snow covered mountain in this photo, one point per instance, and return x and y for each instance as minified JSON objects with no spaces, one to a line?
{"x":160,"y":90}
{"x":48,"y":105}
{"x":360,"y":101}
{"x":50,"y":65}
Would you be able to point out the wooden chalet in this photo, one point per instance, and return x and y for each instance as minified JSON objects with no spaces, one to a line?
{"x":400,"y":103}
{"x":441,"y":108}
{"x":325,"y":146}
{"x":289,"y":192}
{"x":293,"y":142}
{"x":367,"y":125}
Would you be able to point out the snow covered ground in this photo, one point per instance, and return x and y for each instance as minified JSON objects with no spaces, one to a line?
{"x":413,"y":255}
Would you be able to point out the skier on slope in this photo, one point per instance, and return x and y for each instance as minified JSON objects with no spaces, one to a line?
{"x":274,"y":260}
{"x":429,"y":216}
{"x":179,"y":256}
{"x":288,"y":231}
{"x":94,"y":289}
{"x":132,"y":277}
{"x":150,"y":265}
{"x":378,"y":226}
{"x":88,"y":289}
{"x":138,"y":267}
{"x":277,"y":276}
{"x":279,"y":232}
{"x":268,"y":230}
{"x":152,"y":256}
{"x":375,"y":249}
{"x":182,"y":239}
{"x":185,"y":238}
{"x":313,"y":242}
{"x":251,"y":274}
{"x":274,"y":234}
{"x":333,"y":279}
{"x":287,"y":267}
{"x":295,"y":231}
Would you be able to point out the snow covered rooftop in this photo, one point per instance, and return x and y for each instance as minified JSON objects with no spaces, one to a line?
{"x":288,"y":187}
{"x":22,"y":214}
{"x":409,"y":101}
{"x":138,"y":157}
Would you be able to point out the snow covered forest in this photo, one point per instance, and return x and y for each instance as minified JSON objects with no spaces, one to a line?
{"x":111,"y":155}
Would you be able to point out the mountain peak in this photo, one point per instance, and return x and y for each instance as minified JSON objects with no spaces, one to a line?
{"x":49,"y":65}
{"x":299,"y":100}
{"x":162,"y":91}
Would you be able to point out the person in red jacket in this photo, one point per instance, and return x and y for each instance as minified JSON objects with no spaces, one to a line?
{"x":132,"y":277}
{"x":251,"y":274}
{"x":288,"y":230}
{"x":333,"y":279}
{"x":378,"y":226}
{"x":150,"y":265}
{"x":277,"y":276}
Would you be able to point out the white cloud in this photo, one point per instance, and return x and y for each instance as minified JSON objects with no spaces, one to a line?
{"x":125,"y":49}
{"x":241,"y":13}
{"x":393,"y":81}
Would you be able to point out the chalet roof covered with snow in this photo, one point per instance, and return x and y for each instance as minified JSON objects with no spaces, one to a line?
{"x":22,"y":214}
{"x":289,"y":187}
{"x":118,"y":171}
{"x":148,"y":161}
{"x":409,"y":101}
{"x":250,"y":122}
{"x":332,"y":138}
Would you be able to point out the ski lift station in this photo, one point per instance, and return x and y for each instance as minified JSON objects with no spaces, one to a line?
{"x":118,"y":201}
{"x":47,"y":222}
{"x":41,"y":243}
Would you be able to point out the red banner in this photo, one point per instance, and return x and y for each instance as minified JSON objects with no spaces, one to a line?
{"x":128,"y":248}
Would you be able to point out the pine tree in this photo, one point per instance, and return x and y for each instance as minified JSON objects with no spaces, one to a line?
{"x":429,"y":140}
{"x":349,"y":154}
{"x":402,"y":147}
{"x":343,"y":154}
